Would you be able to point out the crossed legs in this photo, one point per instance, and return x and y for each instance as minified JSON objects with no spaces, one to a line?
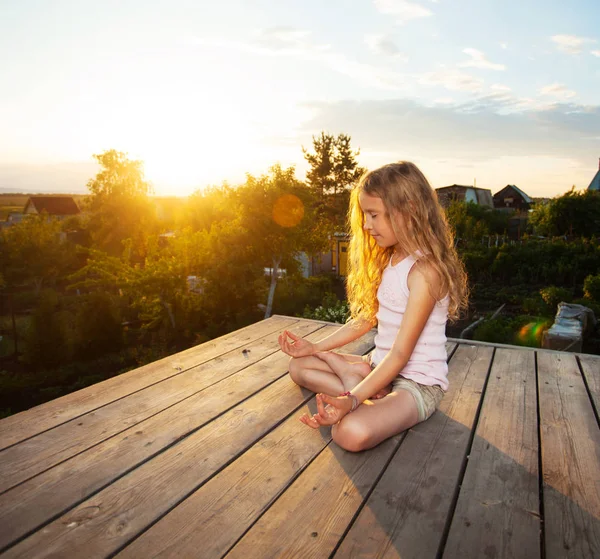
{"x":377,"y":419}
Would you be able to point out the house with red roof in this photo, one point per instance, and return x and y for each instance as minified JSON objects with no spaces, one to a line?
{"x":55,"y":206}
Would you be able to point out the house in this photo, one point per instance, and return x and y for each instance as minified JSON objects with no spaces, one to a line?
{"x":334,"y":261}
{"x":461,"y":193}
{"x":595,"y":184}
{"x":511,"y":197}
{"x":56,"y":206}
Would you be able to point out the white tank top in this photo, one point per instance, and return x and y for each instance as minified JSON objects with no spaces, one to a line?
{"x":427,"y":364}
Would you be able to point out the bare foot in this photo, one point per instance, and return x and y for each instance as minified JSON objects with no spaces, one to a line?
{"x":349,"y":373}
{"x":382,"y":393}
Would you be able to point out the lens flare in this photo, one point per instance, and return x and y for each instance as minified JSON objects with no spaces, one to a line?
{"x":532,"y":332}
{"x":288,"y":211}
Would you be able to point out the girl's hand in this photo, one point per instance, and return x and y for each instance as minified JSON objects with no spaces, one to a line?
{"x":329,"y":414}
{"x":298,"y":347}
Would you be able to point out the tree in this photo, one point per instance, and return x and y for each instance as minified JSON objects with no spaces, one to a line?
{"x":573,"y":213}
{"x":277,"y":211}
{"x":33,"y":252}
{"x":120,"y":205}
{"x":320,"y":177}
{"x":333,"y":172}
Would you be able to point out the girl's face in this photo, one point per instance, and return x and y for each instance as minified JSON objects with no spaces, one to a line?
{"x":377,"y":222}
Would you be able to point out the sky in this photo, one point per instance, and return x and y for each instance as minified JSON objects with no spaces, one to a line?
{"x":474,"y":92}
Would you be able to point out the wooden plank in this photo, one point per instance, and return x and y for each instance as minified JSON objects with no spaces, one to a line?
{"x":28,"y":423}
{"x":590,"y":365}
{"x":32,"y":456}
{"x":104,"y":523}
{"x":407,"y":512}
{"x":210,"y":521}
{"x":497,"y":514}
{"x":570,"y":441}
{"x":30,"y":504}
{"x":309,"y":519}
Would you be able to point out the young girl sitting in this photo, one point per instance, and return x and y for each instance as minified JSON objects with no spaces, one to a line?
{"x":404,"y":276}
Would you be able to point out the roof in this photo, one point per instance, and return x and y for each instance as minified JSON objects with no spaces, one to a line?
{"x":202,"y":454}
{"x":53,"y":205}
{"x":525,"y":197}
{"x":595,"y":184}
{"x":481,"y":196}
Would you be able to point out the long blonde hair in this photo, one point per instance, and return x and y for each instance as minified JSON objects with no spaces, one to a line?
{"x":420,"y":226}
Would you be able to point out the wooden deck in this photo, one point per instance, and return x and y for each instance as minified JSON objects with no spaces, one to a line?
{"x":202,"y":455}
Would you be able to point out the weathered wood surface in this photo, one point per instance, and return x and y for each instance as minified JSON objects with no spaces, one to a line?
{"x":570,"y":441}
{"x":498,"y":507}
{"x":407,"y":512}
{"x":202,"y":455}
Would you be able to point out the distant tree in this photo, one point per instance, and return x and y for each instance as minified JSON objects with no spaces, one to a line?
{"x":206,"y":207}
{"x":33,"y":252}
{"x":120,"y":205}
{"x":278,"y":214}
{"x":334,"y":170}
{"x":471,"y":221}
{"x":320,"y":176}
{"x":573,"y":213}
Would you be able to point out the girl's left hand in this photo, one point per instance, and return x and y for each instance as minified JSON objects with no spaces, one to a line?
{"x":329,"y":414}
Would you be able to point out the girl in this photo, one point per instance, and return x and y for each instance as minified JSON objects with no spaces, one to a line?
{"x":404,"y":276}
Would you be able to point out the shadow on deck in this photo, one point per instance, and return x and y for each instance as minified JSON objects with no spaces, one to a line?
{"x":201,"y":454}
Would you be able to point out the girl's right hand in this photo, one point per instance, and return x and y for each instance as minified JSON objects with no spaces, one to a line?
{"x":298,"y":347}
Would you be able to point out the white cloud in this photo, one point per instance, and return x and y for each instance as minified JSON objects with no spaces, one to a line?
{"x":444,"y":101}
{"x":504,"y":46}
{"x":297,"y":43}
{"x":595,"y":53}
{"x":453,"y":80}
{"x":558,"y":90}
{"x":499,"y":87}
{"x":447,"y":131}
{"x":383,"y":45}
{"x":478,"y":60}
{"x":571,"y":44}
{"x":402,"y":10}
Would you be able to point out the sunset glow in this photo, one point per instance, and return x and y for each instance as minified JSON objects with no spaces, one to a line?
{"x":205,"y":93}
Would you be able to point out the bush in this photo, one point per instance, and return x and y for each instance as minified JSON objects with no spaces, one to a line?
{"x":553,"y":295}
{"x":47,"y":342}
{"x":98,"y":326}
{"x":591,"y":287}
{"x":330,"y":310}
{"x":523,"y":330}
{"x":294,"y":294}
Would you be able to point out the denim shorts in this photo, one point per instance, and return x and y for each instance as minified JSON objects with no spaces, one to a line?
{"x":426,"y":397}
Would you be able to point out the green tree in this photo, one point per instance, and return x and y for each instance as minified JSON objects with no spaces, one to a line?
{"x":98,"y":329}
{"x":33,"y":252}
{"x":278,"y":213}
{"x":573,"y":213}
{"x":208,"y":206}
{"x":333,"y":171}
{"x":120,"y":204}
{"x":47,"y":341}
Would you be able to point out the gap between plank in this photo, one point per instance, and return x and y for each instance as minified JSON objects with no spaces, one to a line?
{"x":465,"y":461}
{"x":146,"y":418}
{"x":147,"y":459}
{"x":215,"y":473}
{"x":540,"y":465}
{"x":589,"y":392}
{"x":368,"y":495}
{"x":139,"y":390}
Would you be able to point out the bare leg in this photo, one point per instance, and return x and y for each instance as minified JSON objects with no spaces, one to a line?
{"x":350,"y":373}
{"x":317,"y":375}
{"x":374,"y":421}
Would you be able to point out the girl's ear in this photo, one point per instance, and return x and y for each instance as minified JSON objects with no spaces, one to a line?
{"x":412,"y":207}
